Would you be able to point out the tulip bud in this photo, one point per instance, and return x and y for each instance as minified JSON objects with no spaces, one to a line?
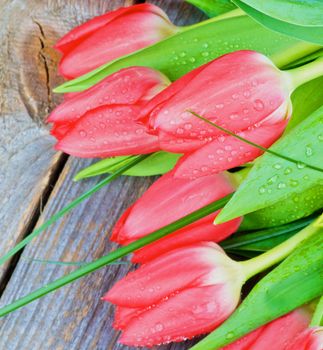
{"x":184,"y":293}
{"x":102,"y":121}
{"x":242,"y":91}
{"x":112,"y":35}
{"x":309,"y":339}
{"x":276,"y":334}
{"x":168,"y":200}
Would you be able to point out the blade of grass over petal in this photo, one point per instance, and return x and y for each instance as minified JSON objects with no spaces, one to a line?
{"x":117,"y":254}
{"x":69,"y":207}
{"x":279,"y":155}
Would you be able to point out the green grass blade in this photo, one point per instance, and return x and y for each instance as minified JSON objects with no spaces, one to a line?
{"x":241,"y":239}
{"x":69,"y":207}
{"x":268,"y":150}
{"x":117,"y":254}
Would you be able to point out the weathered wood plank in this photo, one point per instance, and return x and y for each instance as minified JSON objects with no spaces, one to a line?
{"x":28,"y":64}
{"x":74,"y":318}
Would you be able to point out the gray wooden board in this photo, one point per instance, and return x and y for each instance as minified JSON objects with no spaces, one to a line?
{"x":73,"y":317}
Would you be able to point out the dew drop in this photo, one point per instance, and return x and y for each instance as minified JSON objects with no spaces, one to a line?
{"x":309,"y":151}
{"x":219,"y":105}
{"x":262,"y":190}
{"x":281,"y":185}
{"x":159,"y":327}
{"x":258,"y":105}
{"x":82,"y":133}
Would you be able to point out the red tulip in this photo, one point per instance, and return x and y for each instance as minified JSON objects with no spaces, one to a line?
{"x":112,"y":35}
{"x":277,"y":334}
{"x":309,"y":339}
{"x":168,"y":200}
{"x":186,"y":292}
{"x":242,"y":91}
{"x":102,"y":121}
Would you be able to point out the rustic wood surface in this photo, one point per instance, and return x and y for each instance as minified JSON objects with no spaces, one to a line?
{"x":33,"y":176}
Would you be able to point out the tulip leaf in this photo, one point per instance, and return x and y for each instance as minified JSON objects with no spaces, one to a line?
{"x":273,"y":179}
{"x":290,"y":209}
{"x":182,"y":52}
{"x":213,"y":7}
{"x":156,"y":164}
{"x":307,"y":33}
{"x":261,"y":240}
{"x":296,"y":281}
{"x":304,"y":12}
{"x":306,"y":99}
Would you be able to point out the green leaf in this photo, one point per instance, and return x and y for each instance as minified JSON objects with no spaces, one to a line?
{"x":302,"y":12}
{"x":262,"y":240}
{"x":156,"y":164}
{"x":310,"y":34}
{"x":306,"y":99}
{"x":213,"y":8}
{"x":196,"y":45}
{"x":274,"y":179}
{"x":296,"y":281}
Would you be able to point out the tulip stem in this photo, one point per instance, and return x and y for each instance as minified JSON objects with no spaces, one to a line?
{"x":69,"y":207}
{"x":262,"y":262}
{"x":308,"y":72}
{"x":317,"y":319}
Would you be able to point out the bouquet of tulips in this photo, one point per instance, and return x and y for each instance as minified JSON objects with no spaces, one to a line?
{"x":230,"y":112}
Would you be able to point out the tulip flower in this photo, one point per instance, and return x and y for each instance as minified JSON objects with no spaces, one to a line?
{"x":278,"y":334}
{"x":310,"y":339}
{"x":242,"y":91}
{"x":112,"y":35}
{"x":186,"y":292}
{"x":102,"y":121}
{"x":168,"y":200}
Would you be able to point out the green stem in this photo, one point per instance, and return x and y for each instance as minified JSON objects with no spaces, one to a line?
{"x":317,"y":319}
{"x":117,"y":254}
{"x":69,"y":207}
{"x":264,"y":261}
{"x":308,"y":72}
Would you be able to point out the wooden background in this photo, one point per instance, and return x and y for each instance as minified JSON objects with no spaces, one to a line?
{"x":35,"y":182}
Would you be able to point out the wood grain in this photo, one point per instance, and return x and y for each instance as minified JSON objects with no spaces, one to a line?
{"x":28,"y":65}
{"x":72,"y":318}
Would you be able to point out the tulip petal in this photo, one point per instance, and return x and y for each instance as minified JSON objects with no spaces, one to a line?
{"x":201,"y":230}
{"x":124,"y":315}
{"x":127,"y":86}
{"x":83,"y":31}
{"x":228,"y":152}
{"x":150,"y":110}
{"x":192,"y":312}
{"x":168,"y":200}
{"x":235,"y":91}
{"x":160,"y":278}
{"x":103,"y":39}
{"x":108,"y":131}
{"x":309,"y":339}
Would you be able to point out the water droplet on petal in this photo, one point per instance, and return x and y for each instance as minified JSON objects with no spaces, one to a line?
{"x":82,"y":133}
{"x":258,"y":105}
